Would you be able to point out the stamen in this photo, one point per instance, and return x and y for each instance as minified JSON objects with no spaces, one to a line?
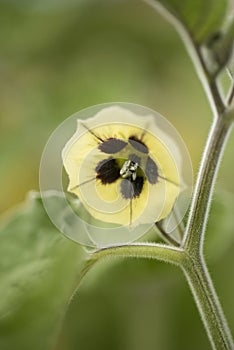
{"x":129,"y":169}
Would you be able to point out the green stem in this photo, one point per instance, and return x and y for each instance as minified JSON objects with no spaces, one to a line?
{"x":160,"y":252}
{"x":198,"y":279}
{"x":230,"y":96}
{"x":208,"y":81}
{"x":208,"y":304}
{"x":194,"y":235}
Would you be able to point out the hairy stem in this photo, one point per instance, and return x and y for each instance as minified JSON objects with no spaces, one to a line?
{"x":231,"y":96}
{"x":198,"y":279}
{"x":208,"y":81}
{"x":208,"y":304}
{"x":160,"y":252}
{"x":194,"y":235}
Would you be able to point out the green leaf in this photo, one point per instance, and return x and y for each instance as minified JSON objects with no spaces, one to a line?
{"x":39,"y":270}
{"x":201,"y":18}
{"x":220,"y":235}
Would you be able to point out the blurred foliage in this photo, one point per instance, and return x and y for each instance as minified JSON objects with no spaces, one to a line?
{"x":201,"y":19}
{"x":57,"y":60}
{"x":123,"y":304}
{"x":133,"y":304}
{"x":39,"y":270}
{"x":220,"y":226}
{"x":57,"y":57}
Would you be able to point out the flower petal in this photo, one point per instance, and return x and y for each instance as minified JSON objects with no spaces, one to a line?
{"x":100,"y":145}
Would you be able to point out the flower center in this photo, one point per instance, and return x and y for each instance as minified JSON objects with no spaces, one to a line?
{"x":129,"y":170}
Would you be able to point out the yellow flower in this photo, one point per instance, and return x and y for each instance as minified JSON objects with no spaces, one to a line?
{"x":123,"y":167}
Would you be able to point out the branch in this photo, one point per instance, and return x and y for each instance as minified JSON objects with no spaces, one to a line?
{"x":209,"y":84}
{"x":194,"y":235}
{"x":160,"y":252}
{"x":208,"y":304}
{"x":204,"y":187}
{"x":207,"y":79}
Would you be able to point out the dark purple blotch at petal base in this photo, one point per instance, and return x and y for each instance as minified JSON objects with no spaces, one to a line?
{"x":151,"y":171}
{"x":132,"y":189}
{"x":112,"y":145}
{"x":138,"y":144}
{"x":108,"y":171}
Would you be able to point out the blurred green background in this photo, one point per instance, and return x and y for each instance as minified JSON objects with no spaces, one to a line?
{"x":57,"y":57}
